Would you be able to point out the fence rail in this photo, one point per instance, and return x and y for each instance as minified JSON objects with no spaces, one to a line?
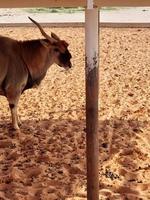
{"x":70,"y":3}
{"x":79,"y":24}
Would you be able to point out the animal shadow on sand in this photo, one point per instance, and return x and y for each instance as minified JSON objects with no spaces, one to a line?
{"x":46,"y":159}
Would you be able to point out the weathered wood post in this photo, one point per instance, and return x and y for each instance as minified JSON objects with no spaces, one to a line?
{"x":92,"y":77}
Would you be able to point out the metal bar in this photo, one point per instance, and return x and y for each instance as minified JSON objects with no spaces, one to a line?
{"x":78,"y":24}
{"x":127,"y":3}
{"x":90,"y":4}
{"x":92,"y":148}
{"x":41,"y":3}
{"x":70,"y":3}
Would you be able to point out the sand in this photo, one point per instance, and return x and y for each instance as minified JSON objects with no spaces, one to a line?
{"x":45,"y":160}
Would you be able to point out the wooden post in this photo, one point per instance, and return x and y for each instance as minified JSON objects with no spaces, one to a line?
{"x":92,"y":148}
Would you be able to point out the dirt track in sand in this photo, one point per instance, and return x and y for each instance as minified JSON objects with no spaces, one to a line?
{"x":46,"y":159}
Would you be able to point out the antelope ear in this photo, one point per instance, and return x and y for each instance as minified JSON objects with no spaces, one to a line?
{"x":54,"y":36}
{"x":44,"y":43}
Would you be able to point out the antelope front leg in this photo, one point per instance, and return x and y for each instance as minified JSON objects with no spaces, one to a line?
{"x":13,"y":98}
{"x":13,"y":108}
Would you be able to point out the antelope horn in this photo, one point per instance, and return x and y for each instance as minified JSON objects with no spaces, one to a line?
{"x":42,"y":31}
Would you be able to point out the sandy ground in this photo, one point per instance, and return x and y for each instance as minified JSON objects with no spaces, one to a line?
{"x":46,"y":159}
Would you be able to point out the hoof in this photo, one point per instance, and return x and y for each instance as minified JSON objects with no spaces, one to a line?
{"x":16,"y":127}
{"x":19,"y":121}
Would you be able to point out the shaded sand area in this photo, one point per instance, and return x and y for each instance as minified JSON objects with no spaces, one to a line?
{"x":46,"y":159}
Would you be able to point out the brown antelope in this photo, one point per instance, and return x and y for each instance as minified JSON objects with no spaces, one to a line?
{"x":23,"y":64}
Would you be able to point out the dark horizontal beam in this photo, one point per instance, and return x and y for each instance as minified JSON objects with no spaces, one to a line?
{"x":70,"y":3}
{"x":79,"y":24}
